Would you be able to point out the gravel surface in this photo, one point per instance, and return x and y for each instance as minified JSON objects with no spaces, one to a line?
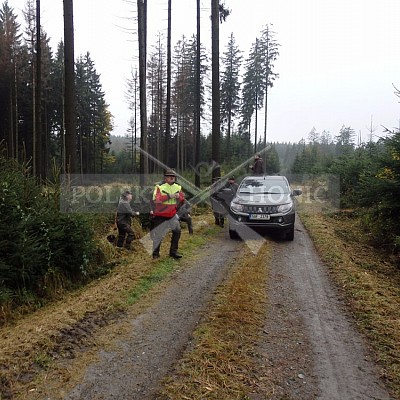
{"x":309,"y":346}
{"x":159,"y":336}
{"x":310,"y":337}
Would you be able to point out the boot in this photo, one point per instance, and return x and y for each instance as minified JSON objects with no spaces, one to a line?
{"x":120,"y":241}
{"x":173,"y":250}
{"x":156,"y":252}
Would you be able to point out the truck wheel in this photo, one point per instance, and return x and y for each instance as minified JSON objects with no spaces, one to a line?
{"x":233,"y":234}
{"x":290,"y":234}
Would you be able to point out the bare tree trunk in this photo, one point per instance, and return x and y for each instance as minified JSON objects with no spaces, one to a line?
{"x":255,"y":126}
{"x":11,"y":126}
{"x":142,"y":28}
{"x":198,"y":100}
{"x":16,"y":117}
{"x":215,"y":133}
{"x":160,"y":104}
{"x":266,"y":113}
{"x":168,"y":111}
{"x":69,"y":91}
{"x":135,"y":122}
{"x":256,"y":110}
{"x":34,"y":125}
{"x":38,"y":101}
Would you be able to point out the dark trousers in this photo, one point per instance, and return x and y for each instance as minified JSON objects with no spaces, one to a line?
{"x":125,"y":231}
{"x":162,"y":226}
{"x":188,"y":220}
{"x":219,"y":219}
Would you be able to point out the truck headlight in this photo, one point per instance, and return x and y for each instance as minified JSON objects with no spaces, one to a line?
{"x":237,"y":207}
{"x":284,"y":208}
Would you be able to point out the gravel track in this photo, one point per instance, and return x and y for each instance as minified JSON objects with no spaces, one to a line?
{"x":159,"y":336}
{"x":317,"y":347}
{"x":309,"y":348}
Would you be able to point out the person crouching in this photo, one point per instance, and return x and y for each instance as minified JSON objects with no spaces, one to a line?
{"x":124,"y":220}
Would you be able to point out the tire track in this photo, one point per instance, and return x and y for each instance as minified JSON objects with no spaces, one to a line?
{"x":342,"y":366}
{"x":159,"y":335}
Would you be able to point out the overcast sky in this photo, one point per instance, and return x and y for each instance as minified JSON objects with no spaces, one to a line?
{"x":339,"y":59}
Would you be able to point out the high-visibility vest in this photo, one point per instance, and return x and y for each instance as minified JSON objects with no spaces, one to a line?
{"x":164,"y":205}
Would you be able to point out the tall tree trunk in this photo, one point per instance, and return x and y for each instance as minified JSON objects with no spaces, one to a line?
{"x":266,"y":112}
{"x":135,"y":123}
{"x":160,"y":104}
{"x":16,"y":118}
{"x":168,"y":111}
{"x":215,"y":132}
{"x":10,"y":143}
{"x":34,"y":106}
{"x":70,"y":165}
{"x":198,"y":106}
{"x":255,"y":125}
{"x":142,"y":28}
{"x":38,"y":101}
{"x":256,"y":108}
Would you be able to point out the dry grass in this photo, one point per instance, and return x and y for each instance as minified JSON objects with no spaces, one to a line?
{"x":30,"y":344}
{"x":221,"y":365}
{"x":369,"y":280}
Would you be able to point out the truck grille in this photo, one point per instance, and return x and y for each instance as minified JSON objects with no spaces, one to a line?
{"x":260,"y":209}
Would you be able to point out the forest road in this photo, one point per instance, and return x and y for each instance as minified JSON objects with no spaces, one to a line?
{"x":314,"y":341}
{"x":308,"y":339}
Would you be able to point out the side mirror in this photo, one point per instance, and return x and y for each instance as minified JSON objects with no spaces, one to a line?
{"x":297,"y":192}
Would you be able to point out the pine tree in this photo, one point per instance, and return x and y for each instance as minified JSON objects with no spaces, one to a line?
{"x":70,"y":162}
{"x":55,"y":108}
{"x":230,"y":88}
{"x":184,"y":99}
{"x":156,"y":78}
{"x":253,"y":89}
{"x":269,"y":48}
{"x":94,"y":121}
{"x":10,"y":49}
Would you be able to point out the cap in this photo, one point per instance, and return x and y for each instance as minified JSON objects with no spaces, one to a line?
{"x":231,"y":178}
{"x":169,"y":172}
{"x":126,"y":192}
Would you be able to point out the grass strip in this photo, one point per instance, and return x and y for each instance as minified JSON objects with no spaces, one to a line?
{"x":369,"y":281}
{"x":164,"y":267}
{"x":147,"y":282}
{"x":221,"y":364}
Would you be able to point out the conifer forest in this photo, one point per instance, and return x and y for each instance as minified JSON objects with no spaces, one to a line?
{"x":189,"y":108}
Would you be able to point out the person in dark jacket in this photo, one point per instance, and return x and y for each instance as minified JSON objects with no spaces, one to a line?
{"x":231,"y":184}
{"x":257,"y":168}
{"x":224,"y":196}
{"x":218,"y":210}
{"x":124,"y":220}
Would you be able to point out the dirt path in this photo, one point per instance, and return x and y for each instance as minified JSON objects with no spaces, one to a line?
{"x":309,"y":345}
{"x":309,"y":336}
{"x":160,"y":335}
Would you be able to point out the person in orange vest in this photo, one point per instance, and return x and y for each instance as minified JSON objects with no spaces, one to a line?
{"x":167,"y":196}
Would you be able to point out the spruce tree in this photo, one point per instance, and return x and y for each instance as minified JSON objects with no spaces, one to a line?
{"x":10,"y":49}
{"x":230,"y":88}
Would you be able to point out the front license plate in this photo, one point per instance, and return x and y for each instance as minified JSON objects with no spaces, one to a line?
{"x":260,"y":216}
